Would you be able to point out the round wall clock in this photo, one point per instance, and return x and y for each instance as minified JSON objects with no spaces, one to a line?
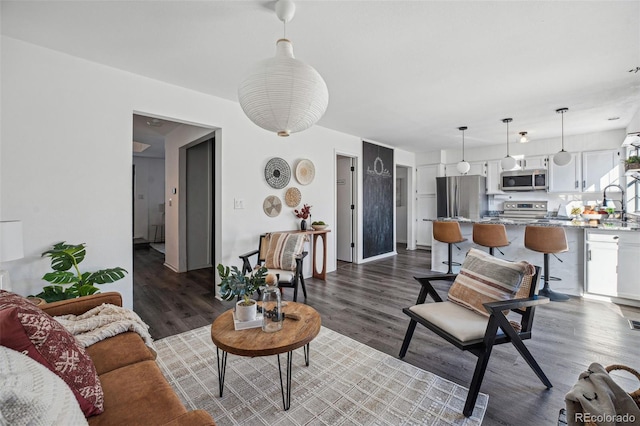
{"x":277,"y":173}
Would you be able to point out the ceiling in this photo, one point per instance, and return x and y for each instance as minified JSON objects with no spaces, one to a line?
{"x":405,"y":73}
{"x":152,"y":131}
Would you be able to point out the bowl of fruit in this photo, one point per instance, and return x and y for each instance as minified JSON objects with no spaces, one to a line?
{"x":319,"y":225}
{"x":593,"y":214}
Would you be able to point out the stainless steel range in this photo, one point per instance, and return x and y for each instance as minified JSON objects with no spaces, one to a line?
{"x":524,"y":210}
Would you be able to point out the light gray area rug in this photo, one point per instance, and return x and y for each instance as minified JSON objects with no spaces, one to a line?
{"x":346,"y":383}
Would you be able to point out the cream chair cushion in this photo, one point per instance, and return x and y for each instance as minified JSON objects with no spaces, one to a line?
{"x":462,"y":323}
{"x":284,"y":276}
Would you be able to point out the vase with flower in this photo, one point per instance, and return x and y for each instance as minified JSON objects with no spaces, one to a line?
{"x":304,"y":213}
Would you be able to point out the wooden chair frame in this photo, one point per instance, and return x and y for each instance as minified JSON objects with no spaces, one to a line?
{"x":261,"y":253}
{"x":482,"y":348}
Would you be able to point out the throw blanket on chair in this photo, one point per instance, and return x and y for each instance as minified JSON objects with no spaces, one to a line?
{"x":104,"y":321}
{"x":597,"y":399}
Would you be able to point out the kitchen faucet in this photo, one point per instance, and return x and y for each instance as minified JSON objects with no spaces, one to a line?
{"x":622,"y":200}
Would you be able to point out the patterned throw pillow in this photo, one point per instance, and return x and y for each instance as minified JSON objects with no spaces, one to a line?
{"x":27,"y":329}
{"x":484,"y":278}
{"x":30,"y":394}
{"x":283,"y":249}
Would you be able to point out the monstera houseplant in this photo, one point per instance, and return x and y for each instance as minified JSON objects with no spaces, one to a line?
{"x":235,"y":284}
{"x":64,"y":262}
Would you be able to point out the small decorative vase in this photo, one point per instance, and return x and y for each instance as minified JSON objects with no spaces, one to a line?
{"x":272,"y":317}
{"x":246,"y":313}
{"x":303,"y":225}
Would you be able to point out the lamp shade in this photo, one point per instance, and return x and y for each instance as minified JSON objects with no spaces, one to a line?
{"x":282,"y":94}
{"x":11,"y":240}
{"x":562,"y":158}
{"x":463,"y":167}
{"x":508,"y":163}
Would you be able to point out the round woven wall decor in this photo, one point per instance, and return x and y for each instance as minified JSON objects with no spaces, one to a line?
{"x":292,"y":197}
{"x":272,"y":206}
{"x":277,"y":173}
{"x":305,"y":172}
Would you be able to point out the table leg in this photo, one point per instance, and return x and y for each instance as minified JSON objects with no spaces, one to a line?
{"x":222,"y":368}
{"x":286,"y":400}
{"x":306,"y":354}
{"x":322,"y":274}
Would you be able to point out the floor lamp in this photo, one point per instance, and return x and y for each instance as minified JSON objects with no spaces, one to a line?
{"x":10,"y":248}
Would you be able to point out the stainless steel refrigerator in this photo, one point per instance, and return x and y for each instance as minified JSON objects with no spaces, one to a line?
{"x":462,"y":196}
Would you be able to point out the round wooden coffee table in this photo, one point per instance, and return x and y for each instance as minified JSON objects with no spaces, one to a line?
{"x":254,"y":342}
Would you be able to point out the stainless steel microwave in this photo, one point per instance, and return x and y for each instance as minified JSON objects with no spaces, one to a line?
{"x":524,"y":180}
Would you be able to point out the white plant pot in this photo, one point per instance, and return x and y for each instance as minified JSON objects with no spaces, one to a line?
{"x":246,"y":313}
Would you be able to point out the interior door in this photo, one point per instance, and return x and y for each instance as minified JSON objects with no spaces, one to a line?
{"x":345,"y":208}
{"x":199,"y":205}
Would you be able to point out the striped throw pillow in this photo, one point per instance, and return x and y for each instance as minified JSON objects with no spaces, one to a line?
{"x":484,"y":278}
{"x":283,"y":250}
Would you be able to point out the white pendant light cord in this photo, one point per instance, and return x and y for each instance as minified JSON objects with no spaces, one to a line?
{"x":508,"y":155}
{"x":463,"y":129}
{"x":562,"y":129}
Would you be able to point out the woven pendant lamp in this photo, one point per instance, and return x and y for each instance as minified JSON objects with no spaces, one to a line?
{"x":282,"y":94}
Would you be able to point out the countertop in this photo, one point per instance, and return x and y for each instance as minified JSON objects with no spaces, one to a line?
{"x":612,"y":225}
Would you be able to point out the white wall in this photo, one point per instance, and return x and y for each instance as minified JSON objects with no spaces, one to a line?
{"x":634,"y":124}
{"x":78,"y":186}
{"x":148,"y":197}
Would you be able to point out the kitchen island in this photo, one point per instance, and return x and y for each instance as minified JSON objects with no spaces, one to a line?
{"x":575,"y":268}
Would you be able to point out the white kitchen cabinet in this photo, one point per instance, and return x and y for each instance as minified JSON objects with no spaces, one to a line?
{"x":628,"y":254}
{"x":493,"y":177}
{"x":601,"y":263}
{"x":533,"y":163}
{"x":611,"y":263}
{"x":478,"y":168}
{"x":426,"y":178}
{"x":426,"y":209}
{"x":566,"y":178}
{"x":599,"y":169}
{"x":451,"y":170}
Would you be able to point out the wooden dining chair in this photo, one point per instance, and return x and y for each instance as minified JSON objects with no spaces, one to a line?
{"x":474,"y":316}
{"x":283,"y":255}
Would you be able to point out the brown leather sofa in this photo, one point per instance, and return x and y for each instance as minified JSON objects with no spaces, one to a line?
{"x":135,"y":391}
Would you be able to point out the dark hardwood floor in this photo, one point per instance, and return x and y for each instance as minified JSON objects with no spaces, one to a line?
{"x":365,"y":303}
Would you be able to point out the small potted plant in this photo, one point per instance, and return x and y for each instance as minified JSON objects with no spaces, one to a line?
{"x":236,"y":284}
{"x":304,"y":213}
{"x":632,"y":162}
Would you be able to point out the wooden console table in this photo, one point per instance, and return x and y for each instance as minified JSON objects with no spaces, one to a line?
{"x":316,"y":235}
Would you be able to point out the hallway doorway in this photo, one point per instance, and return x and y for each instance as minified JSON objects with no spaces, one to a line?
{"x":346,"y":208}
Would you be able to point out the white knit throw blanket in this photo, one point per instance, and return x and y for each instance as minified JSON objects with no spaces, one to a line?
{"x":104,"y":321}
